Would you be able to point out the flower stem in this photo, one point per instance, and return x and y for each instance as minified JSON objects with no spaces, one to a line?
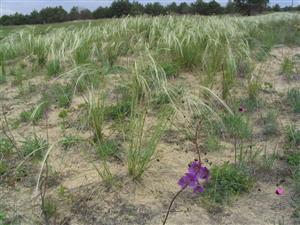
{"x":171,"y":203}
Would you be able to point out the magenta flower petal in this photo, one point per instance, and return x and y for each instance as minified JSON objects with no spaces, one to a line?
{"x":279,"y":191}
{"x":242,"y":109}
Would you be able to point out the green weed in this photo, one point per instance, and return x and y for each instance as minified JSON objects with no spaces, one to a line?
{"x":227,"y":181}
{"x":3,"y":167}
{"x":237,"y":126}
{"x":119,"y":110}
{"x":170,"y":69}
{"x":292,"y":136}
{"x":34,"y":147}
{"x":59,"y":94}
{"x":293,"y":97}
{"x":6,"y":146}
{"x":18,"y":77}
{"x":53,"y":68}
{"x":287,"y":67}
{"x":34,"y":114}
{"x":69,"y":141}
{"x":82,"y":55}
{"x":293,"y":159}
{"x":49,"y":207}
{"x":271,"y":124}
{"x":212,"y":143}
{"x":107,"y":149}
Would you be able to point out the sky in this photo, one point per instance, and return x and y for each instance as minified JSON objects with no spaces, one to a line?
{"x":26,"y":6}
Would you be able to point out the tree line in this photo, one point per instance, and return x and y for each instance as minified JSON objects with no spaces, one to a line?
{"x":120,"y":8}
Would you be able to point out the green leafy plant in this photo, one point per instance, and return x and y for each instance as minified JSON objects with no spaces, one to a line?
{"x":228,"y":181}
{"x":2,"y":217}
{"x":107,"y":149}
{"x":287,"y":67}
{"x":68,"y":141}
{"x":170,"y":69}
{"x":142,"y":142}
{"x":296,"y":198}
{"x":82,"y":54}
{"x":18,"y":77}
{"x":34,"y":114}
{"x":254,"y":87}
{"x":212,"y":143}
{"x":49,"y":207}
{"x":271,"y":125}
{"x":59,"y":94}
{"x":293,"y":97}
{"x":119,"y":110}
{"x":34,"y":147}
{"x":239,"y":129}
{"x":53,"y":68}
{"x":3,"y":167}
{"x":293,"y":159}
{"x":63,"y":115}
{"x":2,"y":78}
{"x":6,"y":146}
{"x":292,"y":136}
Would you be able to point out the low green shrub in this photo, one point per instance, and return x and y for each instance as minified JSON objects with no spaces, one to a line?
{"x":271,"y":124}
{"x":108,"y":148}
{"x":293,"y":159}
{"x":212,"y":143}
{"x":34,"y":146}
{"x":293,"y":97}
{"x":35,"y":113}
{"x":3,"y":167}
{"x":237,"y":126}
{"x":69,"y":141}
{"x":228,"y":181}
{"x":287,"y":67}
{"x":6,"y":146}
{"x":59,"y":94}
{"x":292,"y":136}
{"x":53,"y":68}
{"x":171,"y":69}
{"x":119,"y":110}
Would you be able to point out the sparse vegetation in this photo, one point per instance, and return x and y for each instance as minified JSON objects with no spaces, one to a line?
{"x":293,"y":97}
{"x":271,"y":125}
{"x":293,"y":136}
{"x":53,"y":68}
{"x":227,"y":182}
{"x":85,"y":107}
{"x":34,"y":147}
{"x":287,"y":67}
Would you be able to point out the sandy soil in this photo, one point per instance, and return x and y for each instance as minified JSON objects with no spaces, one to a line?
{"x":86,"y":200}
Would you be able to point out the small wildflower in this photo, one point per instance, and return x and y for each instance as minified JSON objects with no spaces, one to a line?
{"x":192,"y":178}
{"x":188,"y":180}
{"x":242,"y":109}
{"x":194,"y":168}
{"x":204,"y":173}
{"x":279,"y":191}
{"x":198,"y":189}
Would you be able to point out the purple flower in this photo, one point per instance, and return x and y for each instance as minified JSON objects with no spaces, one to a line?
{"x":195,"y":168}
{"x":198,"y":170}
{"x":204,"y":173}
{"x":198,"y":189}
{"x":192,"y":178}
{"x":188,"y":180}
